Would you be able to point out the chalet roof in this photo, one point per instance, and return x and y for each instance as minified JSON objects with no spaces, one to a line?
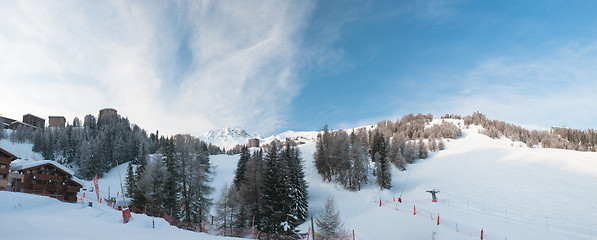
{"x":13,"y":157}
{"x":19,"y":165}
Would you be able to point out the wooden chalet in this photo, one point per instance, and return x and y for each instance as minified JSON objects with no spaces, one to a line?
{"x":46,"y":178}
{"x":5,"y":159}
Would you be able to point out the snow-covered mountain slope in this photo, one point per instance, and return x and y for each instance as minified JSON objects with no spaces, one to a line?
{"x":227,"y":137}
{"x":501,"y":187}
{"x":305,"y":136}
{"x":509,"y":191}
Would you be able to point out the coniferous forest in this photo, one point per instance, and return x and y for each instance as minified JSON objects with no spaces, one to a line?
{"x":269,"y":190}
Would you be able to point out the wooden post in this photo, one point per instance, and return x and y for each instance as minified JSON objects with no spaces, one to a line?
{"x":353,"y":235}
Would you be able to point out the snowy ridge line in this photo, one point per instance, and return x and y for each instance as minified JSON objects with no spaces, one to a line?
{"x":422,"y":213}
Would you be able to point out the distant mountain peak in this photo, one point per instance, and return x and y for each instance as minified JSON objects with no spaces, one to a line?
{"x":228,"y":137}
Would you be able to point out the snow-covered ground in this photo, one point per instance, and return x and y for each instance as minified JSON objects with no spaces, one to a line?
{"x":508,"y":190}
{"x":26,"y":216}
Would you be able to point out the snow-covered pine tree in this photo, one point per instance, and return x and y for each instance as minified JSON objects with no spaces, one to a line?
{"x":329,"y":222}
{"x":298,"y":195}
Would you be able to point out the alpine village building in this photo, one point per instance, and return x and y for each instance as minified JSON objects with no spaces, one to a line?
{"x":46,"y":177}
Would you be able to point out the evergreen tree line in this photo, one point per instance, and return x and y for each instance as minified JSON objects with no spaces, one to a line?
{"x":344,"y":158}
{"x":94,"y":147}
{"x":268,"y":190}
{"x":563,"y":138}
{"x":175,"y":180}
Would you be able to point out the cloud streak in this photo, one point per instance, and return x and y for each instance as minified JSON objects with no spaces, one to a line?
{"x":537,"y":92}
{"x":180,"y":67}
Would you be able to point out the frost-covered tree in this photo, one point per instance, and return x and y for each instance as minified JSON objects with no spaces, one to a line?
{"x":410,"y":152}
{"x":359,"y":165}
{"x":422,"y":149}
{"x":441,"y":145}
{"x":329,"y":223}
{"x":225,"y":210}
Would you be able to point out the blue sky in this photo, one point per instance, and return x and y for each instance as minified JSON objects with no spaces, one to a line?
{"x":271,"y":66}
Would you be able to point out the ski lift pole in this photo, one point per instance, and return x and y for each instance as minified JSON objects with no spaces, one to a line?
{"x":433,"y":194}
{"x":403,"y":186}
{"x":121,"y":188}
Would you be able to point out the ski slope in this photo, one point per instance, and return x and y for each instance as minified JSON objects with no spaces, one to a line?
{"x":509,"y":191}
{"x":503,"y":187}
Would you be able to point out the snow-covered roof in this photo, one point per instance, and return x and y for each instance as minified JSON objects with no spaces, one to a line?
{"x":24,"y":164}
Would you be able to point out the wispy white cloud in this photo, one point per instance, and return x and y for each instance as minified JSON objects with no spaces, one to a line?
{"x":180,"y":67}
{"x":555,"y":89}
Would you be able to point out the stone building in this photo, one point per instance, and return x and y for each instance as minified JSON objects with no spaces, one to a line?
{"x":57,"y":121}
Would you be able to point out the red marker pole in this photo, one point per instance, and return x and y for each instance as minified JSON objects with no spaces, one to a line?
{"x":414,"y":210}
{"x":481,"y":233}
{"x":380,"y":202}
{"x":438,"y":219}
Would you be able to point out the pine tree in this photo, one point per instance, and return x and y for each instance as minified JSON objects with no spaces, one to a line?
{"x":199,"y":186}
{"x":251,"y":192}
{"x":378,"y":146}
{"x":138,"y":195}
{"x":171,"y":187}
{"x":130,"y":182}
{"x":384,"y":176}
{"x":239,"y":173}
{"x":329,"y":223}
{"x":274,"y":205}
{"x":298,"y":195}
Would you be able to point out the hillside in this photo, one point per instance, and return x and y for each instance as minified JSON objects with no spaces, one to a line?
{"x":503,"y":187}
